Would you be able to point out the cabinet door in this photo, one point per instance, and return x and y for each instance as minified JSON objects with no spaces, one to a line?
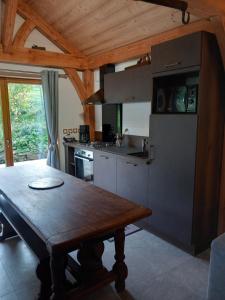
{"x":172,"y":174}
{"x":105,"y":171}
{"x":177,"y":54}
{"x":132,"y":85}
{"x":132,"y":178}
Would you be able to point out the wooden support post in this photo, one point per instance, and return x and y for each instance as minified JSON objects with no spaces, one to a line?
{"x":8,"y":24}
{"x":219,"y":30}
{"x":89,"y":110}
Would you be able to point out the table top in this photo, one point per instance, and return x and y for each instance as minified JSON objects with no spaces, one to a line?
{"x":69,"y":214}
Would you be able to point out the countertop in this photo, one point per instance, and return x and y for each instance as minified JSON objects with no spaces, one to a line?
{"x":122,"y":151}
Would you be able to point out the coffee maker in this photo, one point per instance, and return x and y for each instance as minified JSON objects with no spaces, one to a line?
{"x":84,"y":134}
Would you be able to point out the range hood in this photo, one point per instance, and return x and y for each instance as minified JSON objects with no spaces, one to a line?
{"x":98,"y":97}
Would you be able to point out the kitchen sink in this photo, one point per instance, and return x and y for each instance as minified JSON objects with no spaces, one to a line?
{"x":139,"y":154}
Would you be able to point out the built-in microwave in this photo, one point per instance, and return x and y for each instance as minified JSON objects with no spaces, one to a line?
{"x":176,"y":93}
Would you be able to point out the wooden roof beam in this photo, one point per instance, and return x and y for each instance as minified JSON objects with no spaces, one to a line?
{"x":23,"y":33}
{"x":77,"y":83}
{"x":53,"y":35}
{"x":206,"y":7}
{"x":35,"y":57}
{"x":143,"y":47}
{"x":8,"y":24}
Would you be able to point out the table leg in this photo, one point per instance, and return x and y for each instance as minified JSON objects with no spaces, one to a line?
{"x":6,"y":230}
{"x":120,"y":268}
{"x":58,"y":265}
{"x":43,"y":273}
{"x":90,"y":258}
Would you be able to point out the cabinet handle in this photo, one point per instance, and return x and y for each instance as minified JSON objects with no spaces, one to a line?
{"x":130,"y":163}
{"x":173,"y":64}
{"x":104,"y":156}
{"x":151,"y":153}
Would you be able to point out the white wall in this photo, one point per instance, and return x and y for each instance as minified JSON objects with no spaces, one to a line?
{"x":135,"y":115}
{"x":70,"y":108}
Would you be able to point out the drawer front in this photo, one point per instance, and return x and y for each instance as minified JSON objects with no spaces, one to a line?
{"x":177,"y":54}
{"x":105,"y":171}
{"x":132,"y":181}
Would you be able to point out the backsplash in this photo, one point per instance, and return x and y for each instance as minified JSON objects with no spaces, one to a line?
{"x":133,"y":141}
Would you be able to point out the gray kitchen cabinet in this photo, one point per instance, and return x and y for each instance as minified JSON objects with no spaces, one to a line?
{"x":177,"y":54}
{"x":132,"y":85}
{"x":105,"y":171}
{"x":185,"y":151}
{"x":132,"y":180}
{"x":171,"y":175}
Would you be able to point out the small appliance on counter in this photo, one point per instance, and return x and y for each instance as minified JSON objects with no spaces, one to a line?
{"x":84,"y":134}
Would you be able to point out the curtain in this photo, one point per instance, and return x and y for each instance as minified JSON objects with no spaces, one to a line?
{"x":51,"y":100}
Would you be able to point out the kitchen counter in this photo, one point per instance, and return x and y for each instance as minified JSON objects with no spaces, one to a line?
{"x":123,"y":151}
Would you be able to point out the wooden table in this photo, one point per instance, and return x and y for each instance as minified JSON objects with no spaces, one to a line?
{"x":75,"y":216}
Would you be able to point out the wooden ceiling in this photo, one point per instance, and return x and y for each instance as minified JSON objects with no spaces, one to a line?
{"x":96,"y":26}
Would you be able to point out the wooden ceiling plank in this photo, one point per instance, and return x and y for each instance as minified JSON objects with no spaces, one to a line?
{"x":142,"y":47}
{"x":53,"y":35}
{"x":8,"y":24}
{"x":114,"y":27}
{"x":89,"y":110}
{"x":111,"y":13}
{"x":43,"y":58}
{"x":22,"y":34}
{"x":132,"y":31}
{"x":77,"y":83}
{"x":75,"y":22}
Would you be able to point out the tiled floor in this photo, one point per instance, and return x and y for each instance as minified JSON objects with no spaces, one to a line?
{"x":157,"y":271}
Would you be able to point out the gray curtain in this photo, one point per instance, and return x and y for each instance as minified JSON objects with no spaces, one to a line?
{"x":51,"y":100}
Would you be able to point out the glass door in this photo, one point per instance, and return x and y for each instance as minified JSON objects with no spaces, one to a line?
{"x":28,"y":125}
{"x":23,"y":132}
{"x":6,"y":152}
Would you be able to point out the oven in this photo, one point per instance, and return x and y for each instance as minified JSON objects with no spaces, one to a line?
{"x":83,"y":160}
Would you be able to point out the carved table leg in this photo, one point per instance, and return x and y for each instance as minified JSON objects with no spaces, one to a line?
{"x":120,"y":268}
{"x":90,"y":258}
{"x":6,"y":230}
{"x":58,"y":265}
{"x":43,"y":273}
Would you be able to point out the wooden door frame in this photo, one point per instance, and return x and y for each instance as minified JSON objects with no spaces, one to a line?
{"x":4,"y":102}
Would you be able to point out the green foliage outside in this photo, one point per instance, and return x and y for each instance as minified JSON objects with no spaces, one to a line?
{"x":29,"y":134}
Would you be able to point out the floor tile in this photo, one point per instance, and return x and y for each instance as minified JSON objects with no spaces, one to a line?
{"x":157,"y":271}
{"x":10,"y":296}
{"x":5,"y":283}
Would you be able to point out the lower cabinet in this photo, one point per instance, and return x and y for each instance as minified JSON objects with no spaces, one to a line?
{"x":105,"y":171}
{"x":132,"y":180}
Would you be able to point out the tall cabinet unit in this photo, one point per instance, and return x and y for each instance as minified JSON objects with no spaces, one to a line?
{"x":186,"y":134}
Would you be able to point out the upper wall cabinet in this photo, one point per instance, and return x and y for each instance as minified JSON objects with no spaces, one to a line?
{"x":132,"y":85}
{"x":177,"y":54}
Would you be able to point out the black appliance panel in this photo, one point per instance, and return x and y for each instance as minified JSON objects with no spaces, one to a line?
{"x":176,"y":93}
{"x":111,"y":121}
{"x":84,"y":164}
{"x":84,"y":134}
